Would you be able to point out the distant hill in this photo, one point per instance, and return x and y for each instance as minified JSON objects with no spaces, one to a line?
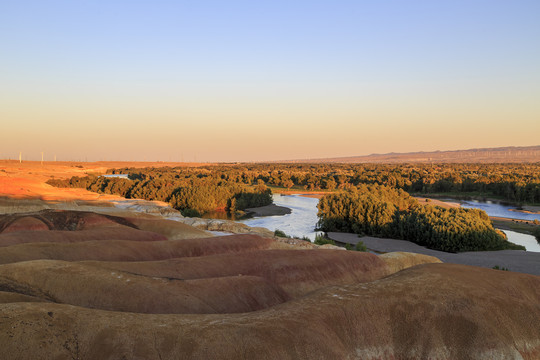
{"x":510,"y":154}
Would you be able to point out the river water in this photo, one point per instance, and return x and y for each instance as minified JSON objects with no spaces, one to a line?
{"x":528,"y":241}
{"x":119,"y":176}
{"x":303,"y":218}
{"x":300,"y":222}
{"x":498,"y":210}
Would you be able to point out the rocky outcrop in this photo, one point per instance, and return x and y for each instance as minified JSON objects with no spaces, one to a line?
{"x":397,"y":261}
{"x":226,"y":226}
{"x":173,"y":230}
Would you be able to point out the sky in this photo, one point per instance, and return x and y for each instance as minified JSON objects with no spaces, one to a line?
{"x":265,"y":80}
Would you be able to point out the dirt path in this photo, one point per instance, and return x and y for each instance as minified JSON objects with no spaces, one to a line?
{"x":515,"y":260}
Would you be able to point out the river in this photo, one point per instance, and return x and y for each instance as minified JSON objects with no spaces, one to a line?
{"x":300,"y":222}
{"x":303,"y":218}
{"x":496,"y":209}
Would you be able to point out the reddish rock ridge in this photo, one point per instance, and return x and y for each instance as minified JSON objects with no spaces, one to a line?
{"x":124,"y":250}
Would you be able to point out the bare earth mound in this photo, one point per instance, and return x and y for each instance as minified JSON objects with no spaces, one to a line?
{"x":81,"y":285}
{"x":121,"y":250}
{"x":297,"y":272}
{"x":435,"y":311}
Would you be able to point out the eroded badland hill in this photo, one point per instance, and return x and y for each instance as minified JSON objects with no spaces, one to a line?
{"x":86,"y":280}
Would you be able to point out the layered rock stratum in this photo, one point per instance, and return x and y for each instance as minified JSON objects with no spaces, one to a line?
{"x":87,"y":285}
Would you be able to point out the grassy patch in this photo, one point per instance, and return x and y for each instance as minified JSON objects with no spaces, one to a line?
{"x":322,"y":240}
{"x":513,"y":225}
{"x":360,"y":246}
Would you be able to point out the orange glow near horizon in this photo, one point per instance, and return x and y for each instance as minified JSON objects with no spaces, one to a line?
{"x":269,"y":81}
{"x":264,"y":130}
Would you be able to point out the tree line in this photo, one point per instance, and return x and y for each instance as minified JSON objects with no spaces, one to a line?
{"x":238,"y":186}
{"x":519,"y":183}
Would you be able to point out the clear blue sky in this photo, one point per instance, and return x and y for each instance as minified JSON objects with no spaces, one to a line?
{"x":260,"y":80}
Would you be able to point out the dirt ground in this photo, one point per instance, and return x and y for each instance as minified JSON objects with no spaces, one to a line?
{"x":27,"y":180}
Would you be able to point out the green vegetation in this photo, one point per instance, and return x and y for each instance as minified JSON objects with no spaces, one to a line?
{"x":497,"y":267}
{"x":388,"y":212}
{"x":360,"y":246}
{"x":322,"y":240}
{"x":523,"y":227}
{"x":280,"y":233}
{"x":193,"y":193}
{"x":191,"y":213}
{"x":536,"y":233}
{"x":237,"y":187}
{"x":518,"y":183}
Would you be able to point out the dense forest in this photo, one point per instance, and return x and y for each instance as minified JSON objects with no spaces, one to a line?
{"x":379,"y":210}
{"x":192,"y":194}
{"x":517,"y":183}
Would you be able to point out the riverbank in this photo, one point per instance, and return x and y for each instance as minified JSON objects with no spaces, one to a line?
{"x":514,"y":260}
{"x":517,"y":225}
{"x":268,"y":210}
{"x":475,"y":196}
{"x":304,"y":193}
{"x":528,"y":209}
{"x":436,"y":202}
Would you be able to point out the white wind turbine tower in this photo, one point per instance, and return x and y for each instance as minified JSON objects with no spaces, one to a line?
{"x":42,"y":158}
{"x":20,"y":157}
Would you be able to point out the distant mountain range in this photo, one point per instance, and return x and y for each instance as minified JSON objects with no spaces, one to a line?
{"x":509,"y":154}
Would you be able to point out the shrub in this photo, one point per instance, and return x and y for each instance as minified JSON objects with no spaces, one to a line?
{"x":322,"y":240}
{"x":280,"y":233}
{"x":360,"y":246}
{"x":190,"y":213}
